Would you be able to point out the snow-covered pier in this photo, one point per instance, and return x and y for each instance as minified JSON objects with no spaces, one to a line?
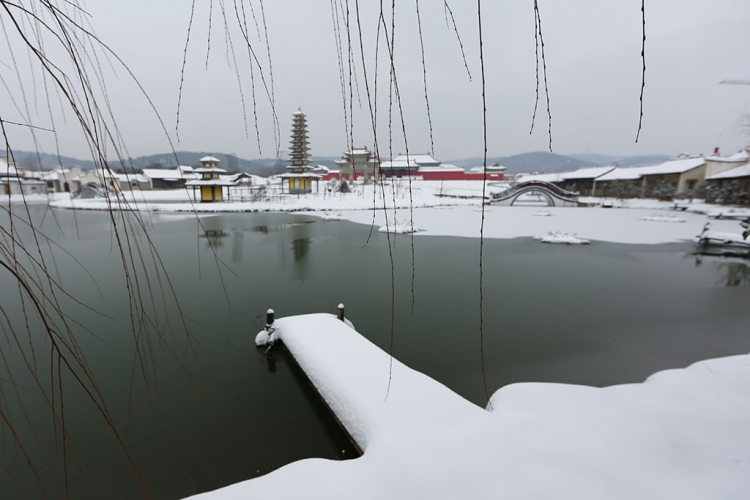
{"x":681,"y":434}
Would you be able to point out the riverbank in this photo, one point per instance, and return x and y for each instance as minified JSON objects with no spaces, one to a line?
{"x":453,"y":209}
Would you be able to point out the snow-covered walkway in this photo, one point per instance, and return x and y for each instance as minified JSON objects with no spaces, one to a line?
{"x":681,"y":434}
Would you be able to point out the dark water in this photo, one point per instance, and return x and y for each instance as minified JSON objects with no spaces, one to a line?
{"x":202,"y":413}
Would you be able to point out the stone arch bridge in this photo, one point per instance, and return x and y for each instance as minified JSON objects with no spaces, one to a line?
{"x":554,"y":195}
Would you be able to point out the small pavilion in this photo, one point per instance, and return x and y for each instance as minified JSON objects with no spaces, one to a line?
{"x":211,"y":184}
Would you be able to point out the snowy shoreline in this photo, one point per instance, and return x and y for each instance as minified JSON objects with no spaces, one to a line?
{"x":682,"y":433}
{"x":450,"y":209}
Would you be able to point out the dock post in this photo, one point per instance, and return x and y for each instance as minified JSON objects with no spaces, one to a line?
{"x":341,"y":312}
{"x":269,"y":318}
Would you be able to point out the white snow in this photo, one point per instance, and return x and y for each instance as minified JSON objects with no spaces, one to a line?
{"x":332,"y":217}
{"x":398,"y":228}
{"x":729,"y":213}
{"x":563,"y":238}
{"x":663,"y":218}
{"x":722,"y":238}
{"x":447,"y":208}
{"x":675,"y":166}
{"x":682,"y":434}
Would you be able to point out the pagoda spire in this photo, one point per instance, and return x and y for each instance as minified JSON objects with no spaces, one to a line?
{"x":299,"y":154}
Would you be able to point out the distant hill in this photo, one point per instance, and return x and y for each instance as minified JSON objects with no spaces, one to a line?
{"x":32,"y":160}
{"x":529,"y":162}
{"x":542,"y":162}
{"x":45,"y":161}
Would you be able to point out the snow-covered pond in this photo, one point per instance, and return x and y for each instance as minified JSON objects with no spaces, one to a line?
{"x":598,"y":314}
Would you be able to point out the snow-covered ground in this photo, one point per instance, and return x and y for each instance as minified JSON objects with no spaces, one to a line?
{"x":454,"y":209}
{"x":682,"y":434}
{"x":591,"y":223}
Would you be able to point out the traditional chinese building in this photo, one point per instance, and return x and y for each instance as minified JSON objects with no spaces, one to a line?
{"x":211,"y":184}
{"x":300,"y":179}
{"x":358,"y":162}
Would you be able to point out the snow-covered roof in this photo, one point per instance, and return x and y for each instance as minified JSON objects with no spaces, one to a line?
{"x":419,"y":158}
{"x":581,"y":173}
{"x":300,"y":175}
{"x":8,"y":171}
{"x":620,"y":174}
{"x":168,"y":175}
{"x":736,"y":157}
{"x":132,"y":178}
{"x":556,"y":177}
{"x":209,"y":170}
{"x":588,"y":173}
{"x":735,"y":173}
{"x":209,"y":159}
{"x":679,"y":166}
{"x":399,"y":164}
{"x":211,"y":182}
{"x":443,"y":167}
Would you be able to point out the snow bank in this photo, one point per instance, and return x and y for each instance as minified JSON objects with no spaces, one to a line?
{"x":681,"y":434}
{"x":398,"y":228}
{"x":564,"y":238}
{"x":663,"y":218}
{"x":600,"y":224}
{"x":450,"y":208}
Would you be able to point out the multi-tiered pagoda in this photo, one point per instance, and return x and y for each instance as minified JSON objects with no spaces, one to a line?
{"x":299,"y":176}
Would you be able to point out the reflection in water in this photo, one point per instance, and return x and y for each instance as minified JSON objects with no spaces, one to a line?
{"x":271,"y":360}
{"x":213,"y":230}
{"x":214,"y":237}
{"x":734,"y":272}
{"x":274,"y":228}
{"x":300,"y":246}
{"x":238,"y":240}
{"x":737,"y":273}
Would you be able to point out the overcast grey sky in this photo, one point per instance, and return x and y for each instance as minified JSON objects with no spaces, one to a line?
{"x":593,"y":69}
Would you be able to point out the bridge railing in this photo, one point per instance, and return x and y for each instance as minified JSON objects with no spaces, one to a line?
{"x":547,"y":186}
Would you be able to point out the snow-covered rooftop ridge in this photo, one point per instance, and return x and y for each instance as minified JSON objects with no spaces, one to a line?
{"x":681,"y":434}
{"x":418,"y":158}
{"x":175,"y":173}
{"x":209,"y":159}
{"x":736,"y":157}
{"x":588,"y":173}
{"x":581,"y":173}
{"x":676,"y":166}
{"x":735,"y":173}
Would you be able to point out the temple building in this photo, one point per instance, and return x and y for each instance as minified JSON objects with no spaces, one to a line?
{"x":211,"y":184}
{"x":359,"y":162}
{"x":299,"y":176}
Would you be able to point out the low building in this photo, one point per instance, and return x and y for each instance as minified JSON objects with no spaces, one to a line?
{"x":170,"y":178}
{"x":739,"y":178}
{"x":582,"y":181}
{"x":134,"y":182}
{"x":427,"y":167}
{"x":681,"y":174}
{"x":716,"y":164}
{"x":63,"y":180}
{"x":15,"y":180}
{"x":102,"y":177}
